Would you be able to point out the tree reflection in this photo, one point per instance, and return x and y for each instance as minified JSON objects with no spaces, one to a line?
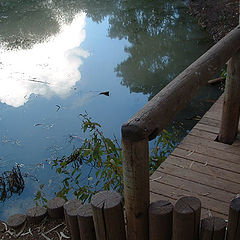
{"x":161,"y":35}
{"x":162,"y":40}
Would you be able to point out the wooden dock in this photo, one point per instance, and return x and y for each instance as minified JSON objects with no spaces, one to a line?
{"x":201,"y":167}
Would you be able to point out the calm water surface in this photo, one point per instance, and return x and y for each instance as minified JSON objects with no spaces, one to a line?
{"x":57,"y":56}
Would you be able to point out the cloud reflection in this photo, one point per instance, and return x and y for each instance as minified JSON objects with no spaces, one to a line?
{"x":47,"y":69}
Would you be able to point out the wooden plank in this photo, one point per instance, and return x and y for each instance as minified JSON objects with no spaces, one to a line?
{"x":203,"y":159}
{"x":212,"y":144}
{"x":210,"y":152}
{"x":214,"y":115}
{"x":210,"y":122}
{"x":201,"y":167}
{"x":191,"y":186}
{"x":176,"y":193}
{"x":203,"y":134}
{"x":205,"y":169}
{"x":199,"y":177}
{"x":207,"y":128}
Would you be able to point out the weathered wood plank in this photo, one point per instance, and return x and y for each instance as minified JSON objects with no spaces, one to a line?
{"x":210,"y":152}
{"x":210,"y":122}
{"x":200,"y":177}
{"x":205,"y":169}
{"x":204,"y":159}
{"x":207,"y":128}
{"x":203,"y":134}
{"x":189,"y":185}
{"x":201,"y":167}
{"x":176,"y":193}
{"x":212,"y":144}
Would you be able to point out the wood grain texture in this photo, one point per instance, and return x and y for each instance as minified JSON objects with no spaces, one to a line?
{"x":186,"y":219}
{"x":233,"y":231}
{"x":16,"y":221}
{"x":36,"y":214}
{"x":71,"y":204}
{"x":85,"y":222}
{"x":107,"y":207}
{"x":160,"y":220}
{"x":55,"y":207}
{"x":136,"y":187}
{"x":71,"y":214}
{"x":213,"y":228}
{"x":231,"y":104}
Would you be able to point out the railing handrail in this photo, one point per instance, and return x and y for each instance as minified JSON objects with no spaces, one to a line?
{"x":163,"y":107}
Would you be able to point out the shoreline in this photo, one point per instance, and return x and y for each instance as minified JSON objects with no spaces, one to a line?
{"x":217,"y":17}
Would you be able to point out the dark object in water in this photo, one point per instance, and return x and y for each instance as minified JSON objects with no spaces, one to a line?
{"x":11,"y":182}
{"x":37,"y":124}
{"x":37,"y":81}
{"x":104,"y":93}
{"x":58,"y":107}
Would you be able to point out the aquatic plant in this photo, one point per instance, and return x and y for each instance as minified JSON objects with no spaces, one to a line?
{"x":11,"y":182}
{"x":97,"y":164}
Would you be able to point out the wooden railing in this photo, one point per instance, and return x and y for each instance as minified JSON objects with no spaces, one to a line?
{"x":146,"y":124}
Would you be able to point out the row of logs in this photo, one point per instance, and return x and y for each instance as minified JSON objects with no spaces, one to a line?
{"x":103,"y":219}
{"x":183,"y":221}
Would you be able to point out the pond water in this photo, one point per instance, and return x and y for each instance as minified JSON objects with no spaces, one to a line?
{"x":56,"y":57}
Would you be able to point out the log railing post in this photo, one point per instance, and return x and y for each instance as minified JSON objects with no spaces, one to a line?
{"x":231,"y":104}
{"x":136,"y":187}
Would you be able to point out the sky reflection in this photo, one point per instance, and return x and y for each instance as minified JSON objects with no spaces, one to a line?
{"x":47,"y":69}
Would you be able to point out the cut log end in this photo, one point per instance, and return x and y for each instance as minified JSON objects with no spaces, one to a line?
{"x":36,"y":214}
{"x":55,"y":207}
{"x":106,"y":199}
{"x":213,"y":228}
{"x":16,"y":221}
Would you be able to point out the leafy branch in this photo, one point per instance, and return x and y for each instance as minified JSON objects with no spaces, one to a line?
{"x":97,"y":164}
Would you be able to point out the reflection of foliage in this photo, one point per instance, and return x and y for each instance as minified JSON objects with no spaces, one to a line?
{"x":162,"y":38}
{"x":160,"y":34}
{"x":97,"y":164}
{"x":163,"y":146}
{"x":11,"y":182}
{"x":26,"y":22}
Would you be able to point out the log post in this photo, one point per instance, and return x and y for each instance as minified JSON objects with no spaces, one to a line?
{"x":55,"y":207}
{"x":160,"y":220}
{"x":85,"y":222}
{"x":186,"y":219}
{"x":36,"y":214}
{"x":16,"y":221}
{"x":213,"y":228}
{"x":71,"y":204}
{"x":70,"y":212}
{"x":108,"y":217}
{"x":136,"y":187}
{"x":233,"y":230}
{"x":231,"y":104}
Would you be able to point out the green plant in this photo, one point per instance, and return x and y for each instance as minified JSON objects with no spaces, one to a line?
{"x":97,"y":164}
{"x":164,"y":144}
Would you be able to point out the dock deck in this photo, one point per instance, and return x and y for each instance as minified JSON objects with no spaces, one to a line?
{"x":201,"y":167}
